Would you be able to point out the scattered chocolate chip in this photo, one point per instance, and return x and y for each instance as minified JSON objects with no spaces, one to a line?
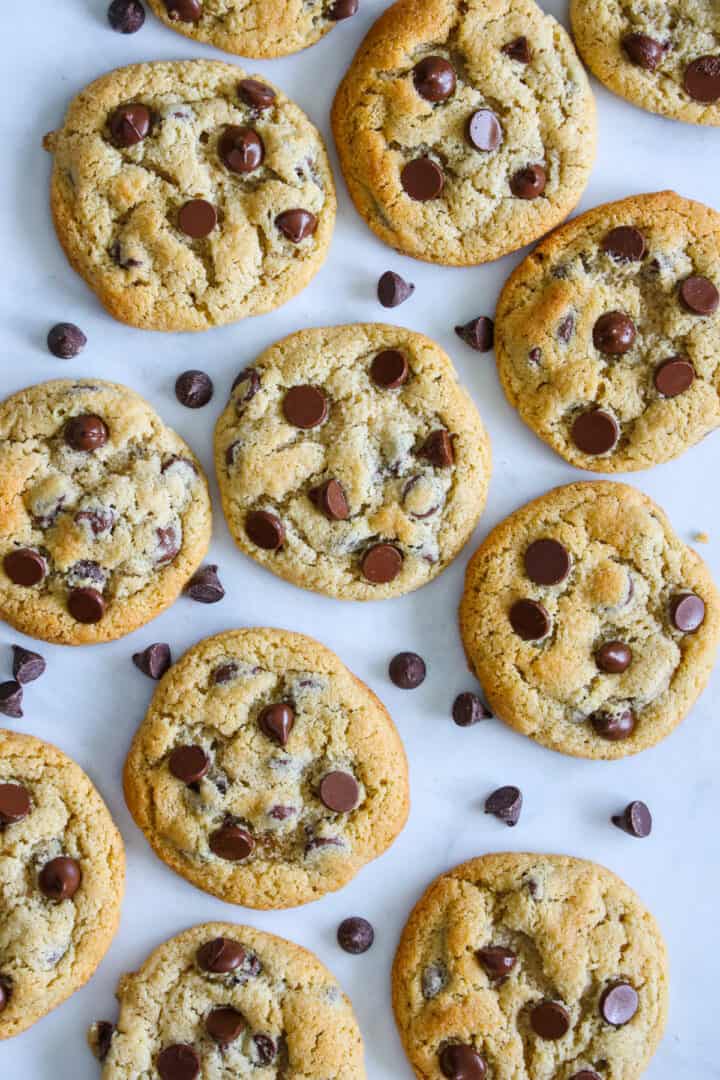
{"x":614,"y":657}
{"x":27,"y":666}
{"x":265,"y":1049}
{"x":529,"y":620}
{"x":277,"y":721}
{"x":231,"y":842}
{"x":407,"y":670}
{"x":355,"y":935}
{"x":265,"y":530}
{"x":614,"y":726}
{"x":469,"y":709}
{"x":343,"y":9}
{"x":566,"y":328}
{"x":497,"y":961}
{"x":529,"y":183}
{"x":625,"y":243}
{"x":154,"y":660}
{"x":256,"y":94}
{"x":702,"y":79}
{"x":60,"y":878}
{"x":635,"y":819}
{"x":189,"y":764}
{"x":184,"y":10}
{"x":329,"y":497}
{"x":305,"y":407}
{"x":547,"y":562}
{"x":14,"y":803}
{"x":614,"y":333}
{"x":479,"y":333}
{"x":86,"y":433}
{"x":434,"y":78}
{"x":102,"y":1036}
{"x":241,"y":149}
{"x":381,"y":564}
{"x":619,"y":1003}
{"x":389,"y":369}
{"x":339,"y":791}
{"x":505,"y":804}
{"x":25,"y":567}
{"x":296,"y":225}
{"x":550,"y":1020}
{"x":643,"y":51}
{"x":458,"y":1061}
{"x":197,"y":218}
{"x":392,"y":290}
{"x":674,"y":376}
{"x":65,"y":340}
{"x":130,"y":124}
{"x":220,"y":956}
{"x":179,"y":1061}
{"x":699,"y":296}
{"x":422,"y":179}
{"x":687,"y":612}
{"x":595,"y":432}
{"x":438,"y":449}
{"x":484,"y":131}
{"x":434,"y":979}
{"x":126,"y":16}
{"x":193,"y":389}
{"x":11,"y":696}
{"x":518,"y":50}
{"x":205,"y":585}
{"x":224,"y":1024}
{"x":86,"y":605}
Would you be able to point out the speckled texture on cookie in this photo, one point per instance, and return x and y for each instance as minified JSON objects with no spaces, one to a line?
{"x":371,"y":443}
{"x":555,"y":368}
{"x":544,"y":107}
{"x":268,"y":782}
{"x":294,"y":1020}
{"x":119,"y":528}
{"x":575,"y":930}
{"x":681,"y":33}
{"x":619,"y":577}
{"x":116,"y":208}
{"x":49,"y":949}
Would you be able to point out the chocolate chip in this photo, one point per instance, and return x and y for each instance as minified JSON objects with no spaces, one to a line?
{"x":434,"y":979}
{"x":27,"y":666}
{"x":220,"y":956}
{"x":197,"y":218}
{"x":389,"y":369}
{"x":434,"y":78}
{"x":282,"y":813}
{"x":343,"y":9}
{"x":5,"y":992}
{"x":635,"y":819}
{"x":518,"y":50}
{"x":265,"y":1049}
{"x":277,"y":721}
{"x":547,"y":562}
{"x":535,"y":356}
{"x":130,"y":124}
{"x":586,"y":1074}
{"x":184,"y":10}
{"x":392,"y":290}
{"x":458,"y":1061}
{"x":251,"y":377}
{"x":305,"y":407}
{"x":205,"y":585}
{"x":699,"y":296}
{"x":614,"y":333}
{"x":614,"y":725}
{"x":407,"y":670}
{"x":25,"y":567}
{"x":422,"y":179}
{"x":225,"y":673}
{"x":339,"y":791}
{"x":614,"y":657}
{"x":179,"y":1061}
{"x":86,"y":433}
{"x":505,"y":804}
{"x":256,"y":94}
{"x":193,"y":389}
{"x":529,"y":620}
{"x":296,"y":225}
{"x":11,"y":695}
{"x":702,"y":79}
{"x":438,"y":449}
{"x":86,"y":605}
{"x":381,"y":564}
{"x":484,"y":131}
{"x":99,"y":521}
{"x":496,"y":960}
{"x":14,"y":803}
{"x":566,"y":328}
{"x":674,"y":376}
{"x":687,"y":612}
{"x":330,"y":498}
{"x":479,"y":333}
{"x":265,"y":530}
{"x":65,"y":340}
{"x":126,"y":16}
{"x":224,"y":1024}
{"x":355,"y":935}
{"x":625,"y":243}
{"x":529,"y":183}
{"x":469,"y":709}
{"x":619,"y":1004}
{"x":189,"y":764}
{"x":550,"y":1020}
{"x":87,"y":571}
{"x":60,"y":878}
{"x":241,"y":149}
{"x":154,"y":660}
{"x":595,"y":432}
{"x":643,"y":51}
{"x":102,"y":1036}
{"x":231,"y":842}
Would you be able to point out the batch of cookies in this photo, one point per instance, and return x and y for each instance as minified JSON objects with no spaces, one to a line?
{"x":351,"y":462}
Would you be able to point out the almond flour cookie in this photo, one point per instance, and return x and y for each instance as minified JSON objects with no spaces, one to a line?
{"x":465,"y":128}
{"x":590,"y":625}
{"x":351,"y":462}
{"x":608,"y":335}
{"x":530,"y":967}
{"x":189,"y":195}
{"x":222,"y":1000}
{"x":663,"y":57}
{"x":265,"y":773}
{"x":104,"y":512}
{"x":62,"y":874}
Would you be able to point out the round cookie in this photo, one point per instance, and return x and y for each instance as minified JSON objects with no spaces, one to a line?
{"x":227,"y":1000}
{"x":104,"y":512}
{"x":663,"y":57}
{"x":62,"y":876}
{"x":254,"y":28}
{"x":351,"y":462}
{"x":465,"y":129}
{"x":264,"y":772}
{"x":188,"y":195}
{"x":607,"y":336}
{"x":517,"y":967}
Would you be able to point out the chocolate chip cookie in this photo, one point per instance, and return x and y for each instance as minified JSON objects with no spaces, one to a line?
{"x":255,"y":28}
{"x":608,"y":335}
{"x":189,"y":195}
{"x":265,"y":772}
{"x":227,"y":1000}
{"x":663,"y":57}
{"x":465,"y":129}
{"x":351,"y":462}
{"x":590,"y":625}
{"x":516,"y":967}
{"x":104,"y":512}
{"x":62,"y":874}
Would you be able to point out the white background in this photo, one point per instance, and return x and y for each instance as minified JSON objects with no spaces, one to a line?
{"x":92,"y":699}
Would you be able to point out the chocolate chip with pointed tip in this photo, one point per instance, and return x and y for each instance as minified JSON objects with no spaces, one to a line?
{"x":636,"y":819}
{"x":505,"y":803}
{"x":393,"y":290}
{"x":277,"y":721}
{"x":241,"y":149}
{"x":496,"y":960}
{"x":469,"y":709}
{"x":643,"y":50}
{"x":130,"y":124}
{"x":479,"y":333}
{"x":154,"y":660}
{"x":205,"y":585}
{"x":11,"y":695}
{"x":518,"y":50}
{"x":27,"y":666}
{"x":265,"y":530}
{"x":257,"y":95}
{"x":296,"y":224}
{"x":529,"y":183}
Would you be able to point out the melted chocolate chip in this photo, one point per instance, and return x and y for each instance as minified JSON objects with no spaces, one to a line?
{"x":422,"y":179}
{"x":674,"y":376}
{"x":265,"y":530}
{"x":484,"y":131}
{"x":381,"y":564}
{"x":189,"y":764}
{"x":86,"y":433}
{"x":330,"y":498}
{"x":614,"y":333}
{"x":625,"y":244}
{"x":231,"y":842}
{"x":389,"y":369}
{"x":702,"y":79}
{"x":339,"y":791}
{"x":434,"y":78}
{"x":687,"y":612}
{"x":518,"y":50}
{"x":614,"y":657}
{"x":277,"y":721}
{"x":86,"y":605}
{"x":529,"y":620}
{"x":241,"y":149}
{"x":14,"y":804}
{"x":643,"y":51}
{"x":497,"y":961}
{"x":296,"y":225}
{"x":197,"y":219}
{"x":224,"y":1024}
{"x":257,"y":95}
{"x":458,"y":1061}
{"x":529,"y":183}
{"x":25,"y":567}
{"x":305,"y":407}
{"x":60,"y":878}
{"x":699,"y":295}
{"x":550,"y":1020}
{"x":130,"y":124}
{"x":179,"y":1061}
{"x":220,"y":956}
{"x":595,"y":432}
{"x":547,"y":562}
{"x":614,"y":725}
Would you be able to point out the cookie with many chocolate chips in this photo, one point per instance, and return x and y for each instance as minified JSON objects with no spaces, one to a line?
{"x":465,"y":129}
{"x":591,"y":626}
{"x":62,"y":876}
{"x":663,"y":57}
{"x":517,"y":967}
{"x":104,"y":512}
{"x":608,"y":335}
{"x":265,"y":772}
{"x":228,"y":1000}
{"x":188,"y":195}
{"x":351,"y":462}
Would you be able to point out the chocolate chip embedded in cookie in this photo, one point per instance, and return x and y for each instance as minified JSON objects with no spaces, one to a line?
{"x":591,"y":627}
{"x":608,"y":334}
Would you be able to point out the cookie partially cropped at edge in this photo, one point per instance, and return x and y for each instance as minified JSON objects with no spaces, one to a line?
{"x":516,"y":966}
{"x":104,"y":512}
{"x":62,"y":876}
{"x":351,"y":462}
{"x":665,"y":58}
{"x":188,"y":195}
{"x":465,"y":129}
{"x":254,"y":28}
{"x":223,"y":999}
{"x":590,"y":625}
{"x":265,"y":772}
{"x":607,"y":336}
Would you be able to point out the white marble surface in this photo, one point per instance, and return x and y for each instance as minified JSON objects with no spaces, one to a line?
{"x":91,"y":700}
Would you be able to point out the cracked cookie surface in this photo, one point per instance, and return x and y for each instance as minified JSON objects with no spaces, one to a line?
{"x":518,"y":960}
{"x":662,"y":57}
{"x":188,"y":195}
{"x":465,"y":129}
{"x":608,"y":335}
{"x":104,"y":512}
{"x":265,"y":772}
{"x":591,"y":627}
{"x":225,"y":1000}
{"x":351,"y":462}
{"x":62,"y":873}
